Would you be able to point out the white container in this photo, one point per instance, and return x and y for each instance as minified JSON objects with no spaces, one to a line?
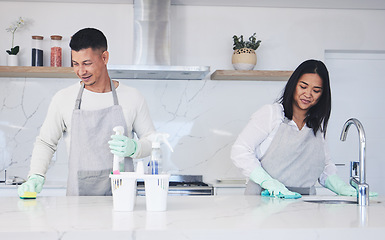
{"x":156,"y":189}
{"x":13,"y":60}
{"x":124,"y":190}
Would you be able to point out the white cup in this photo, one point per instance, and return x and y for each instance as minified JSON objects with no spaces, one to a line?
{"x":123,"y":191}
{"x":156,"y":188}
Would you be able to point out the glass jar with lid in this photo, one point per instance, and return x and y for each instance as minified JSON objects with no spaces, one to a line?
{"x":37,"y":51}
{"x":56,"y":51}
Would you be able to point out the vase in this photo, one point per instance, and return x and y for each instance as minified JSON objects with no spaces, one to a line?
{"x":13,"y":60}
{"x":244,"y":59}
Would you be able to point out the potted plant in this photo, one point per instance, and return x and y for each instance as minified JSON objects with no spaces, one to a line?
{"x":12,"y":53}
{"x":244,"y":57}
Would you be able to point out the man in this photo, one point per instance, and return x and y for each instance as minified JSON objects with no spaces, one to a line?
{"x":85,"y":115}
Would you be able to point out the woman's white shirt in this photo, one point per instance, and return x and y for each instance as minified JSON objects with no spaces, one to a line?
{"x":254,"y":140}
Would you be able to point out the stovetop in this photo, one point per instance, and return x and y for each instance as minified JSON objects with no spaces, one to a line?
{"x":183,"y":185}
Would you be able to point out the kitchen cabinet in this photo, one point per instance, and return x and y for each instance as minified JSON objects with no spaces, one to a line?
{"x":229,"y":187}
{"x":229,"y":190}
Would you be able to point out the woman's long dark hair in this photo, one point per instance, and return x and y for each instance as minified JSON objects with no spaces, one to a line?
{"x":318,"y":114}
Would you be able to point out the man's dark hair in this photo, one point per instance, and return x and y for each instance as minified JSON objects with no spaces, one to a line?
{"x":88,"y":38}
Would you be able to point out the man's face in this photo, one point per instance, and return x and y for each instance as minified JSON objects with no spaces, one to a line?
{"x":90,"y":65}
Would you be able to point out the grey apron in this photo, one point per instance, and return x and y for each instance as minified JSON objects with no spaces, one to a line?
{"x":90,"y":159}
{"x":295,"y":158}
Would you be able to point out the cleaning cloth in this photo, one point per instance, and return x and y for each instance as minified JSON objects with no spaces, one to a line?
{"x":280,"y":195}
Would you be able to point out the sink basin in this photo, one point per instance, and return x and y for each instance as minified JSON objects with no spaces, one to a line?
{"x":331,"y":201}
{"x":320,"y":199}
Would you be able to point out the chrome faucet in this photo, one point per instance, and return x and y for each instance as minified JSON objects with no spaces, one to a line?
{"x":360,"y":185}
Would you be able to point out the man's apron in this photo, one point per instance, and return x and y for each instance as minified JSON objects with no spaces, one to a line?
{"x":90,"y":160}
{"x":295,"y":158}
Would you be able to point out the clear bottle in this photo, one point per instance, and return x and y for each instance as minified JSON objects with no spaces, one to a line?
{"x":156,"y":153}
{"x":56,"y":51}
{"x":156,"y":159}
{"x":37,"y":51}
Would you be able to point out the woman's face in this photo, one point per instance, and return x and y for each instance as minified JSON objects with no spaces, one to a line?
{"x":308,"y":91}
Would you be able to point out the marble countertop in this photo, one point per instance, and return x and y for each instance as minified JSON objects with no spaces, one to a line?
{"x":190,"y":217}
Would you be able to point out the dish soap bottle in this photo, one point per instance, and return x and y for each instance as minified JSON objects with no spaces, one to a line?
{"x":156,"y":153}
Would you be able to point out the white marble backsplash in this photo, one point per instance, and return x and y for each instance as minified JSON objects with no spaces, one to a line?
{"x":203,"y":118}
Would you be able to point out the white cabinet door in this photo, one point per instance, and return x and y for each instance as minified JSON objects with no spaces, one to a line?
{"x":357,"y":85}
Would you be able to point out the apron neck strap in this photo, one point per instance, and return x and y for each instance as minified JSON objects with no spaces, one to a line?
{"x":114,"y":95}
{"x":80,"y":94}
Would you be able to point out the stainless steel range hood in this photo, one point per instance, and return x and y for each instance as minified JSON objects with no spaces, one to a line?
{"x":157,"y":72}
{"x":152,"y":46}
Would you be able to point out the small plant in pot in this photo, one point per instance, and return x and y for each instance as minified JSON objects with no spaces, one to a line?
{"x":12,"y":53}
{"x":244,"y":57}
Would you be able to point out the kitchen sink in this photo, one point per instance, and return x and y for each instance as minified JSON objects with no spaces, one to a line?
{"x":331,"y":201}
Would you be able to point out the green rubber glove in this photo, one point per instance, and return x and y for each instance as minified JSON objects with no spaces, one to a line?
{"x":273,"y":186}
{"x":335,"y":184}
{"x":122,"y":146}
{"x":33,"y":184}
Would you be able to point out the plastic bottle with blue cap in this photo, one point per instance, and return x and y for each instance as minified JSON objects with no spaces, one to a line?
{"x":156,"y":153}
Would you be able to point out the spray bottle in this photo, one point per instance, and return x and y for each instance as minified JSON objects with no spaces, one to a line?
{"x":119,"y":130}
{"x":156,"y":153}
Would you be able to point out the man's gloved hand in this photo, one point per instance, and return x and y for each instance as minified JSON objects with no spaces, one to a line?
{"x":335,"y":184}
{"x":273,"y":186}
{"x":122,"y":145}
{"x":33,"y":184}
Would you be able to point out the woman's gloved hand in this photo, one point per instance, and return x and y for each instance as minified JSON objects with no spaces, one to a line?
{"x":34,"y":184}
{"x":335,"y":184}
{"x":273,"y":186}
{"x":122,"y":145}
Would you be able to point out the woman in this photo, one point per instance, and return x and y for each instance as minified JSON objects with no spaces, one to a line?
{"x":282,"y":149}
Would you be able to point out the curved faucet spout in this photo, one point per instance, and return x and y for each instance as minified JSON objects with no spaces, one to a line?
{"x":362,"y":143}
{"x":360,"y":185}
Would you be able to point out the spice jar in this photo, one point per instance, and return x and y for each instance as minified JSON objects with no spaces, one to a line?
{"x":37,"y":51}
{"x":56,"y":51}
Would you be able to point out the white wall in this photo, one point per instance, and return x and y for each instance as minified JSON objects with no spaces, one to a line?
{"x":203,"y":117}
{"x":203,"y":35}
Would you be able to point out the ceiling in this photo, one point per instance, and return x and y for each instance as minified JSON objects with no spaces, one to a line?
{"x":328,"y":4}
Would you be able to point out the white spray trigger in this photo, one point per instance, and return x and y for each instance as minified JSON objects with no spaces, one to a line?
{"x":119,"y":130}
{"x":158,"y":138}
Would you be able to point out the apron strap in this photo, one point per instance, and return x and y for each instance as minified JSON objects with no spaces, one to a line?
{"x":79,"y":98}
{"x":114,"y":95}
{"x":80,"y":94}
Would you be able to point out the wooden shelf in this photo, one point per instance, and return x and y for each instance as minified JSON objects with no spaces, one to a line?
{"x":251,"y":75}
{"x":67,"y":72}
{"x":37,"y":72}
{"x":115,"y":72}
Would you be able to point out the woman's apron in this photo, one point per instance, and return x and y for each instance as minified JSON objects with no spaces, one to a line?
{"x":295,"y":158}
{"x":90,"y":160}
